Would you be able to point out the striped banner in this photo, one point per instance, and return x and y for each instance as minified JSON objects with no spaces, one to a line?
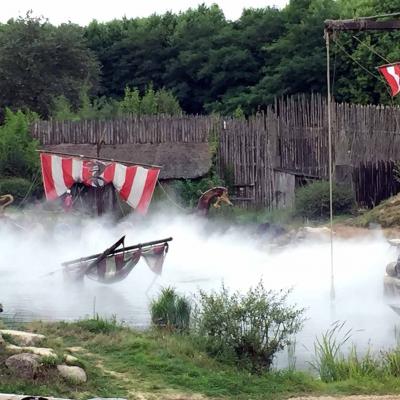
{"x":135,"y":184}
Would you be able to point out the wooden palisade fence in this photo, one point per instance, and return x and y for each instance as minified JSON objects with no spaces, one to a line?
{"x":265,"y":156}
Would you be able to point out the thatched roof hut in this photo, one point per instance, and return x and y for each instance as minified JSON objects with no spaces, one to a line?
{"x":178,"y":160}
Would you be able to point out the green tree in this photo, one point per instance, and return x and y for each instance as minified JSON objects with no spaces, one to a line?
{"x":131,"y":102}
{"x":148,"y":105}
{"x":167,"y":103}
{"x":358,"y":53}
{"x":297,"y":60}
{"x":39,"y":62}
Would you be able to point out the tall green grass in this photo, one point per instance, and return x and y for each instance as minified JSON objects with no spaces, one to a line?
{"x":333,"y":365}
{"x":171,"y":311}
{"x":99,"y":324}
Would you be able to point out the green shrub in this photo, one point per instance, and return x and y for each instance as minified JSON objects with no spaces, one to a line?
{"x":18,"y":155}
{"x":171,"y":311}
{"x":312,"y":201}
{"x":249,"y":328}
{"x":20,"y":188}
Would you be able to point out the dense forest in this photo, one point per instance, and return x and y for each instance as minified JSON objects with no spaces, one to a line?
{"x":196,"y":61}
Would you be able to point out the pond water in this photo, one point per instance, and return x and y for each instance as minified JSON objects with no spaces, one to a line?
{"x":201,"y":256}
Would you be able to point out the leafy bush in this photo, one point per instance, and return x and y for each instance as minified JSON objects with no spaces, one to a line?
{"x":312,"y":201}
{"x":251,"y":328}
{"x":18,"y":187}
{"x":18,"y":155}
{"x":171,"y":311}
{"x":151,"y":103}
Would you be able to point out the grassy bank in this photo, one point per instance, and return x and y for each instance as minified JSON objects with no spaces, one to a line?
{"x":121,"y":362}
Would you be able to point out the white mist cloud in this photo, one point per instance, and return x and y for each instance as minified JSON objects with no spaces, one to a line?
{"x":202,"y":255}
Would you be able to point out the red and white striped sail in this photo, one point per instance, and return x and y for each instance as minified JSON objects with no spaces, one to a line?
{"x":135,"y":184}
{"x":392,"y":75}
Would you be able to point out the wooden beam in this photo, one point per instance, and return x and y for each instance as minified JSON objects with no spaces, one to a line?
{"x":361,"y":24}
{"x":112,"y":250}
{"x":98,"y":158}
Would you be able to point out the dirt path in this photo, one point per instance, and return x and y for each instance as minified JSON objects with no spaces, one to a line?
{"x":364,"y":397}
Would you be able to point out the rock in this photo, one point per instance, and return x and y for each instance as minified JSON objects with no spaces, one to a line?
{"x":23,"y":338}
{"x":107,"y":398}
{"x":75,"y":374}
{"x":70,"y":360}
{"x":2,"y":342}
{"x":23,"y":365}
{"x":76,"y":349}
{"x":40,"y":351}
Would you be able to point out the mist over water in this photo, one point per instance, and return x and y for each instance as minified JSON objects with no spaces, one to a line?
{"x":201,"y":256}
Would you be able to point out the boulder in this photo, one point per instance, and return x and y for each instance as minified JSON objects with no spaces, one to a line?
{"x":74,"y":374}
{"x":23,"y":338}
{"x":23,"y":365}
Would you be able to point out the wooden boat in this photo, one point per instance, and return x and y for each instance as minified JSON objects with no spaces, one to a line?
{"x":116,"y":262}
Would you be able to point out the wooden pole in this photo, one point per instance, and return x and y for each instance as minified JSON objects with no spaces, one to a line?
{"x":328,"y":78}
{"x":363,"y":24}
{"x":136,"y":246}
{"x":98,"y":158}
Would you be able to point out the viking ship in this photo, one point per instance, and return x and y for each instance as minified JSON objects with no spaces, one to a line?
{"x":116,"y":262}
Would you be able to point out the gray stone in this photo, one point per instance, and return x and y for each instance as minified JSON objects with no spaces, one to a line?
{"x":23,"y":365}
{"x":23,"y":338}
{"x":75,"y":374}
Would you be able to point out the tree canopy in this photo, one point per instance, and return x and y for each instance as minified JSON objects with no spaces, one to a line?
{"x":196,"y":61}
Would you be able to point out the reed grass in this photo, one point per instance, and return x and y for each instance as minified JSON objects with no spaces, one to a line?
{"x":333,"y":366}
{"x":171,"y":311}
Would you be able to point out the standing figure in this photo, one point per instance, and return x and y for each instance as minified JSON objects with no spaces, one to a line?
{"x":67,"y":204}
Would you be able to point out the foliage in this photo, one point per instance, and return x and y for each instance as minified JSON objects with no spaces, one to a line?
{"x":18,"y":155}
{"x":39,"y":62}
{"x":333,"y":366}
{"x":98,"y":325}
{"x":156,"y":364}
{"x":190,"y":190}
{"x":312,"y":201}
{"x":196,"y":61}
{"x":19,"y":188}
{"x":171,"y":311}
{"x":130,"y":104}
{"x":98,"y":108}
{"x":252,"y":328}
{"x":386,"y":214}
{"x":151,"y":103}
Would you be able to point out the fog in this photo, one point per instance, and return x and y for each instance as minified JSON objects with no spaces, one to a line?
{"x":202,"y":255}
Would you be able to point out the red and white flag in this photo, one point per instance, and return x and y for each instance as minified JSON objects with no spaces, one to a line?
{"x":135,"y":184}
{"x":392,"y":75}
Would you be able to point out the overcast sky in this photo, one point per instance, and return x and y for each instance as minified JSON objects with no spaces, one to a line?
{"x":83,"y":11}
